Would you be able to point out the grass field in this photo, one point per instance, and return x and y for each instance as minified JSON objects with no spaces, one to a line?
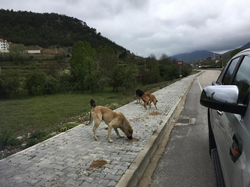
{"x":46,"y":112}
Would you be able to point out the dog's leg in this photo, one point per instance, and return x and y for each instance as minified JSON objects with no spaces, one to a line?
{"x":145,"y":105}
{"x":97,"y":123}
{"x":146,"y":101}
{"x":113,"y":124}
{"x":149,"y":104}
{"x":118,"y":134}
{"x":109,"y":133}
{"x":155,"y":106}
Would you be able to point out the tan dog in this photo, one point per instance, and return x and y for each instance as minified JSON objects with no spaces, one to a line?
{"x":112,"y":119}
{"x":148,"y":98}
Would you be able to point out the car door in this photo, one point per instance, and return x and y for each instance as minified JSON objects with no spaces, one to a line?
{"x":230,"y":130}
{"x":222,"y":129}
{"x":241,"y":165}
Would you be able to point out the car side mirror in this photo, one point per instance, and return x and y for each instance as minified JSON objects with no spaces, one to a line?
{"x":223,"y":98}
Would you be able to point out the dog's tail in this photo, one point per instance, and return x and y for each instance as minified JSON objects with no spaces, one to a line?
{"x":93,"y":105}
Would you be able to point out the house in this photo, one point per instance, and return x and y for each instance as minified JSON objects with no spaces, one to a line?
{"x":33,"y":49}
{"x":4,"y":46}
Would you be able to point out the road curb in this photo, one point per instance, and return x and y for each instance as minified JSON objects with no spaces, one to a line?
{"x":134,"y":173}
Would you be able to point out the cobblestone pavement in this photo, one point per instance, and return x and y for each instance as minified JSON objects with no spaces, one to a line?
{"x":65,"y":159}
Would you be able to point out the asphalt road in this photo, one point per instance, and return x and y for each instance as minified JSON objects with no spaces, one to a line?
{"x":185,"y":160}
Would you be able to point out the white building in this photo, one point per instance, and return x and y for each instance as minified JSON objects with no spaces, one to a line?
{"x":33,"y":49}
{"x":4,"y":46}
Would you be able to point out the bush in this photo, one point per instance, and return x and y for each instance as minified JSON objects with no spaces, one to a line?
{"x":186,"y":70}
{"x":171,"y":72}
{"x":36,"y":137}
{"x":65,"y":83}
{"x":50,"y":85}
{"x":34,"y":82}
{"x":95,"y":80}
{"x":10,"y":84}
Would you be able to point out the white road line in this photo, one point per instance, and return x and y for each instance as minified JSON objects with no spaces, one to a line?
{"x":199,"y":83}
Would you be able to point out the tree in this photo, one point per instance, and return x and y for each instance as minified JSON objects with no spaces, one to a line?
{"x":163,"y":57}
{"x":18,"y":52}
{"x":81,"y":62}
{"x":106,"y":61}
{"x":155,"y":74}
{"x":18,"y":48}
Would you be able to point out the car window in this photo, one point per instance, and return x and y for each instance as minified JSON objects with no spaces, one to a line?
{"x":230,"y":71}
{"x":242,"y":78}
{"x":221,"y":75}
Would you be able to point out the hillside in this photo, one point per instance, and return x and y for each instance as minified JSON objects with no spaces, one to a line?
{"x":46,"y":30}
{"x":196,"y":55}
{"x":227,"y":55}
{"x":246,"y":46}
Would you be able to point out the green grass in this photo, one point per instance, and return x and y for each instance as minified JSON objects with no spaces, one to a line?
{"x":24,"y":116}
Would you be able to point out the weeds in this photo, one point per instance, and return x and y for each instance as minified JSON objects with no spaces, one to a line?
{"x":6,"y":140}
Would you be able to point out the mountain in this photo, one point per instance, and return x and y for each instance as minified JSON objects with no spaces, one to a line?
{"x":194,"y":56}
{"x":46,"y":30}
{"x":198,"y":55}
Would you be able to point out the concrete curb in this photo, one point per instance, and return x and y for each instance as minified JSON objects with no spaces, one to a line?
{"x":134,"y":173}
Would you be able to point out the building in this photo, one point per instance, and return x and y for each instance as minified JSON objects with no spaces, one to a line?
{"x":33,"y":49}
{"x":4,"y":46}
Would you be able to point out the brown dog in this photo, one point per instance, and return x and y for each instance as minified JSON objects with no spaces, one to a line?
{"x":112,"y":119}
{"x":148,"y":98}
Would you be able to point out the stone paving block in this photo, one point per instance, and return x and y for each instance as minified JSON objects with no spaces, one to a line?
{"x":112,"y":183}
{"x":118,"y":167}
{"x":111,"y":171}
{"x":89,"y":184}
{"x":112,"y":177}
{"x":72,"y":182}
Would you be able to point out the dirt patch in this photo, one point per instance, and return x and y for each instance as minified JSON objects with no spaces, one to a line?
{"x":97,"y":164}
{"x":137,"y":119}
{"x":155,"y":113}
{"x":132,"y":140}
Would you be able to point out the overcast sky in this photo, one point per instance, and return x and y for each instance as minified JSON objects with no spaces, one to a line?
{"x":157,"y":27}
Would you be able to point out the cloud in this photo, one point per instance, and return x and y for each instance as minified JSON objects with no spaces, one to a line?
{"x":156,"y":26}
